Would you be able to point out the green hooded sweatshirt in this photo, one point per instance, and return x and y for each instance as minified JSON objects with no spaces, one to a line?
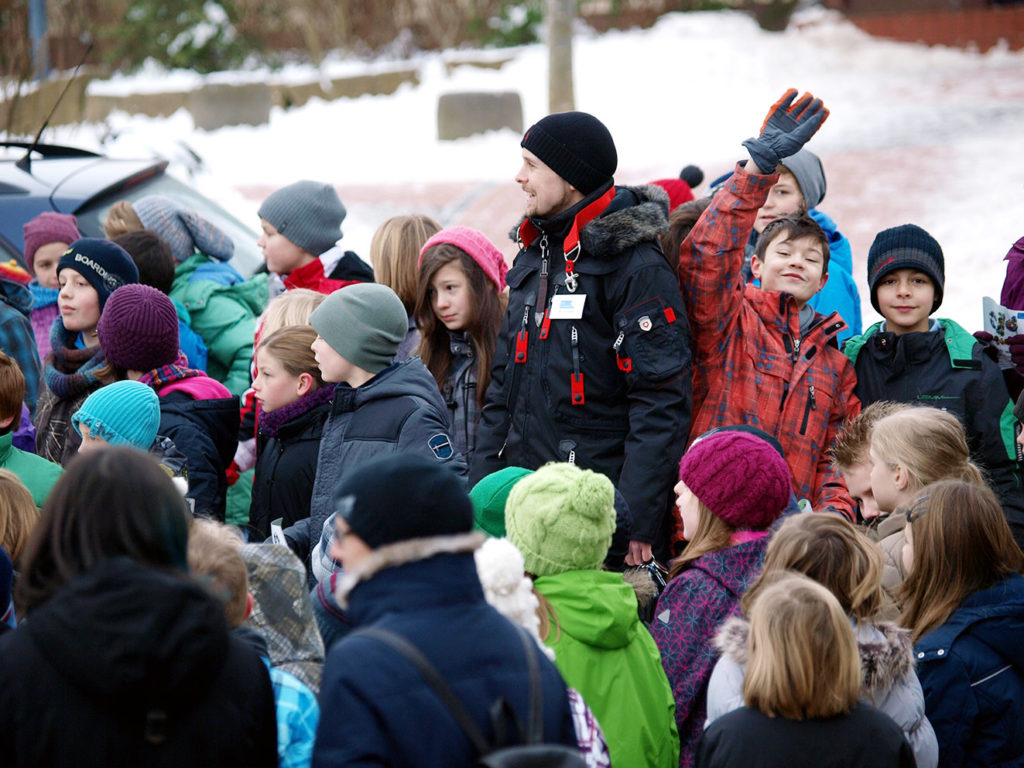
{"x":605,"y":653}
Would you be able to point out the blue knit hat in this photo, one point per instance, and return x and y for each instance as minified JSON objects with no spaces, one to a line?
{"x":122,"y":413}
{"x":308,"y":213}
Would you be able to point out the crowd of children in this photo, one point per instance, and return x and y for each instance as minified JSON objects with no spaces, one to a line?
{"x":236,"y":524}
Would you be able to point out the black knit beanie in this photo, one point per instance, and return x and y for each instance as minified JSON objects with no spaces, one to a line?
{"x":905,"y":247}
{"x":576,"y":146}
{"x":403,"y":497}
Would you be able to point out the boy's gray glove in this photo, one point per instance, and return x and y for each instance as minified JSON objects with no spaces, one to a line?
{"x":787,"y":127}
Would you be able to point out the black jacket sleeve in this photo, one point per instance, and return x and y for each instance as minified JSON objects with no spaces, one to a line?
{"x":649,"y":310}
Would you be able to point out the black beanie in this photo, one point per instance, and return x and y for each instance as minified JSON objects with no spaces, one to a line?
{"x":403,"y":497}
{"x":105,"y":265}
{"x":576,"y":146}
{"x":905,"y":247}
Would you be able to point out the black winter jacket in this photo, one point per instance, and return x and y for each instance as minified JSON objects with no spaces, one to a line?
{"x":947,"y":369}
{"x":865,"y":738}
{"x":609,"y":391}
{"x":129,"y":666}
{"x":206,"y":432}
{"x":286,"y":453}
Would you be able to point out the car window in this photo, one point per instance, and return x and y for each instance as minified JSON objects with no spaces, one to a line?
{"x":247,"y":258}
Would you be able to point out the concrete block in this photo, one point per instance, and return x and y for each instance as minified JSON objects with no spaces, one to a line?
{"x":467,"y":113}
{"x":218,"y":105}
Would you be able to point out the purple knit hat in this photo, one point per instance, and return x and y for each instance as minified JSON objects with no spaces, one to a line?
{"x":46,"y":228}
{"x":478,"y":246}
{"x":139,"y":329}
{"x":739,"y":477}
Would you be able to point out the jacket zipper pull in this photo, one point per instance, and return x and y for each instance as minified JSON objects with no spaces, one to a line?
{"x":624,"y":363}
{"x":542,"y":285}
{"x":810,"y":392}
{"x":523,"y":337}
{"x":796,"y":349}
{"x":576,"y":380}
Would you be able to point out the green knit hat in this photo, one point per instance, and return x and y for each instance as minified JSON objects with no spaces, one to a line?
{"x":489,"y":497}
{"x":562,"y":519}
{"x":365,"y":323}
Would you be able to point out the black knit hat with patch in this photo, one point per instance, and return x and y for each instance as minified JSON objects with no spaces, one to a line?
{"x":576,"y":146}
{"x":905,"y":247}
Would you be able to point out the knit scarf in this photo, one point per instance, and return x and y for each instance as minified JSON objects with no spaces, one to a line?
{"x":70,"y":371}
{"x":42,"y":296}
{"x":166,"y":374}
{"x":272,"y":421}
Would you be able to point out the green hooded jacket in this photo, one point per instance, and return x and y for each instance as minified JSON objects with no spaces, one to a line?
{"x":224,"y":316}
{"x":605,"y":653}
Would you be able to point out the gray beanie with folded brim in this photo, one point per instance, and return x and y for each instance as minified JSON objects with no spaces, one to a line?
{"x":810,"y":176}
{"x":308,"y":213}
{"x":365,"y":323}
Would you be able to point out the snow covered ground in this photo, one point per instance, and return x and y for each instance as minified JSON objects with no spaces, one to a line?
{"x":926,"y":135}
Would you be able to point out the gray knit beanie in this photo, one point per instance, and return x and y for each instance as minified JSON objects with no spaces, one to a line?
{"x":308,"y":213}
{"x":810,"y":176}
{"x":365,"y":323}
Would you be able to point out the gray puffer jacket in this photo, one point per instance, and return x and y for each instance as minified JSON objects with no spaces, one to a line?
{"x":890,"y":684}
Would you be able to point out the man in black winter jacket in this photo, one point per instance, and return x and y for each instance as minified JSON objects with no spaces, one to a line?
{"x":593,"y":362}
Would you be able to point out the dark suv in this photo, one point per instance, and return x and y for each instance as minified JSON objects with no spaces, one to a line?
{"x":70,"y":180}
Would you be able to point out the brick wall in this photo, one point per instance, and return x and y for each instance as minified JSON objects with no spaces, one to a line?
{"x":935,"y":23}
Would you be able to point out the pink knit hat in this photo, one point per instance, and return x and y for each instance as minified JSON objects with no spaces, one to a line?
{"x":479,"y":248}
{"x":46,"y":228}
{"x":739,"y":477}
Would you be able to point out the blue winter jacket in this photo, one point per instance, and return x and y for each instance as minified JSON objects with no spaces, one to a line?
{"x":972,"y":671}
{"x":376,"y":708}
{"x":840,"y":293}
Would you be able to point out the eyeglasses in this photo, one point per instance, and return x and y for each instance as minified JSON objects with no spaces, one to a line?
{"x":919,"y":508}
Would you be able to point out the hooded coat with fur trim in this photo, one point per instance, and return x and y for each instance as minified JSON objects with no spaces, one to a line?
{"x":611,"y":389}
{"x":376,"y":708}
{"x":887,"y":664}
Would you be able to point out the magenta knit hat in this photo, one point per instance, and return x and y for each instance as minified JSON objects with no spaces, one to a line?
{"x":478,"y":246}
{"x":739,"y":477}
{"x":138,"y":329}
{"x":46,"y":228}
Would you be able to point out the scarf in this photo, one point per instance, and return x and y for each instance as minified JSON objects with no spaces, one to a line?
{"x":272,"y":421}
{"x":43,"y":297}
{"x":70,"y":371}
{"x":166,"y":374}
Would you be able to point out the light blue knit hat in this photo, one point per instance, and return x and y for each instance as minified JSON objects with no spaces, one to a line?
{"x":122,"y":413}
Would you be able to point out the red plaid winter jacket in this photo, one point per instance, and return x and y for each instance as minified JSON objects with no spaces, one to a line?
{"x":751,"y":365}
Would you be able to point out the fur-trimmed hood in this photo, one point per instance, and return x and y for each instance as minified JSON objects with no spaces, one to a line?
{"x":635,"y":215}
{"x":886,"y":651}
{"x":403,"y":553}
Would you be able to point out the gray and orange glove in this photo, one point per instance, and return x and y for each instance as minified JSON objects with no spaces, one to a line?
{"x":787,"y":127}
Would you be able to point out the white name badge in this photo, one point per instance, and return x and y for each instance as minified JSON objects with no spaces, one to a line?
{"x":276,"y":532}
{"x":567,"y":306}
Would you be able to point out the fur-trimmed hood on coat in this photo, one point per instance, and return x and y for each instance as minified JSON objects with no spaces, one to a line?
{"x":886,"y":652}
{"x":402,"y":553}
{"x":635,"y":215}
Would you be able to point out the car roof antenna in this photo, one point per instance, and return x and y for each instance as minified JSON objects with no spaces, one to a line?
{"x":25,"y":163}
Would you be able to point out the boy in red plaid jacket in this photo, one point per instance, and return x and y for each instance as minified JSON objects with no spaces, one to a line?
{"x":762,"y":355}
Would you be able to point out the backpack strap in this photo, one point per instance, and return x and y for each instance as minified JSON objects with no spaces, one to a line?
{"x":433,"y":678}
